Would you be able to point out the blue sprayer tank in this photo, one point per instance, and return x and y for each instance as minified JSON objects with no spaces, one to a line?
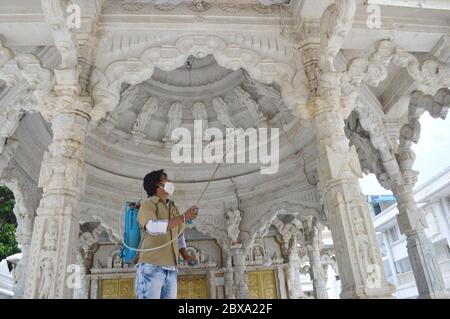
{"x":131,"y":233}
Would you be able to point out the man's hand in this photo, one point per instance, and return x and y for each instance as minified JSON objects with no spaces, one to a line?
{"x":191,"y":213}
{"x":187,"y":258}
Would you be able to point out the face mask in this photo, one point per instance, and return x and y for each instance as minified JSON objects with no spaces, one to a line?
{"x":169,"y":188}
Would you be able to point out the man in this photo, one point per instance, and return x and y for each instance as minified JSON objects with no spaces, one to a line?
{"x":160,"y":221}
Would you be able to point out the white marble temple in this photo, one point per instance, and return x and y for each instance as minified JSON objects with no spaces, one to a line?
{"x":87,"y":111}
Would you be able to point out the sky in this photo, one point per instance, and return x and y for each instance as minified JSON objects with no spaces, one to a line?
{"x":432,"y":154}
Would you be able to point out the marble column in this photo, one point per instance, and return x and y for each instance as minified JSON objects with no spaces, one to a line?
{"x":294,"y":286}
{"x":94,"y":288}
{"x":212,"y":284}
{"x":412,"y":223}
{"x":357,"y":253}
{"x":228,"y":280}
{"x":62,"y":178}
{"x":317,"y":273}
{"x":25,"y":229}
{"x":240,"y":274}
{"x":282,"y":289}
{"x":312,"y":240}
{"x":85,"y":256}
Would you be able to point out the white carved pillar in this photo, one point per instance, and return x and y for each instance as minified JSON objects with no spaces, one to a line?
{"x":212,"y":284}
{"x":357,"y":253}
{"x":228,"y":280}
{"x":27,"y":198}
{"x":401,"y":178}
{"x":281,"y":282}
{"x":62,"y":177}
{"x":94,"y":288}
{"x":396,"y":173}
{"x":294,"y":286}
{"x":412,"y":223}
{"x":25,"y":229}
{"x":85,"y":255}
{"x":318,"y":276}
{"x":239,"y":272}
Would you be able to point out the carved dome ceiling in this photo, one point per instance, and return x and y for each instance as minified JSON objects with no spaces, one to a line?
{"x":227,"y":98}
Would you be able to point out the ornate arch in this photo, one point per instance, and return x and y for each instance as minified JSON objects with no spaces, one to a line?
{"x":265,"y":63}
{"x":262,"y":224}
{"x":27,"y":85}
{"x":103,"y":226}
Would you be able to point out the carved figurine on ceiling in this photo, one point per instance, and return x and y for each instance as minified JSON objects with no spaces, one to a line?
{"x":150,"y":107}
{"x":200,"y":115}
{"x":221,"y":109}
{"x":175,"y":116}
{"x":246,"y":101}
{"x":233,"y":220}
{"x":199,"y":5}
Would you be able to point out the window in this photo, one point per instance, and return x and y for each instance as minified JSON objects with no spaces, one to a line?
{"x":392,"y":234}
{"x":433,"y":228}
{"x":403,"y":265}
{"x":376,"y":208}
{"x":381,"y":245}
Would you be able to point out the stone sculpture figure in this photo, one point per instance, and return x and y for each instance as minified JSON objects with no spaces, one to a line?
{"x":50,"y":236}
{"x":246,"y":101}
{"x":221,"y":109}
{"x":199,"y":113}
{"x":46,"y":267}
{"x":233,"y":221}
{"x":150,"y":107}
{"x":175,"y":118}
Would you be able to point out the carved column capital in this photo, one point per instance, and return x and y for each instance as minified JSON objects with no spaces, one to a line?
{"x":56,"y":15}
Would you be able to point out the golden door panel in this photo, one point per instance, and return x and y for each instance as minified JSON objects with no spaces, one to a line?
{"x":262,"y":285}
{"x":117,"y":288}
{"x":253,"y":285}
{"x":192,"y":287}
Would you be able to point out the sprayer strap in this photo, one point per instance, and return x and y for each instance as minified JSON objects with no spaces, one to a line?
{"x":145,"y":231}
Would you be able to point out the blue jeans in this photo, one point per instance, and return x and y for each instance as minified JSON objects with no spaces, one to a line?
{"x":155,"y":282}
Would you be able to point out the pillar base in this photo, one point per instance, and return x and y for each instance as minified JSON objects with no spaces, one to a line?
{"x":362,"y":292}
{"x":427,"y":273}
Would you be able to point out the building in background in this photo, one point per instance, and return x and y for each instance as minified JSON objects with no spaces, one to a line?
{"x":87,"y":111}
{"x":378,"y":203}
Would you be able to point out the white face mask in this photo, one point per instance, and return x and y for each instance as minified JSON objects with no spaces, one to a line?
{"x":169,"y":188}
